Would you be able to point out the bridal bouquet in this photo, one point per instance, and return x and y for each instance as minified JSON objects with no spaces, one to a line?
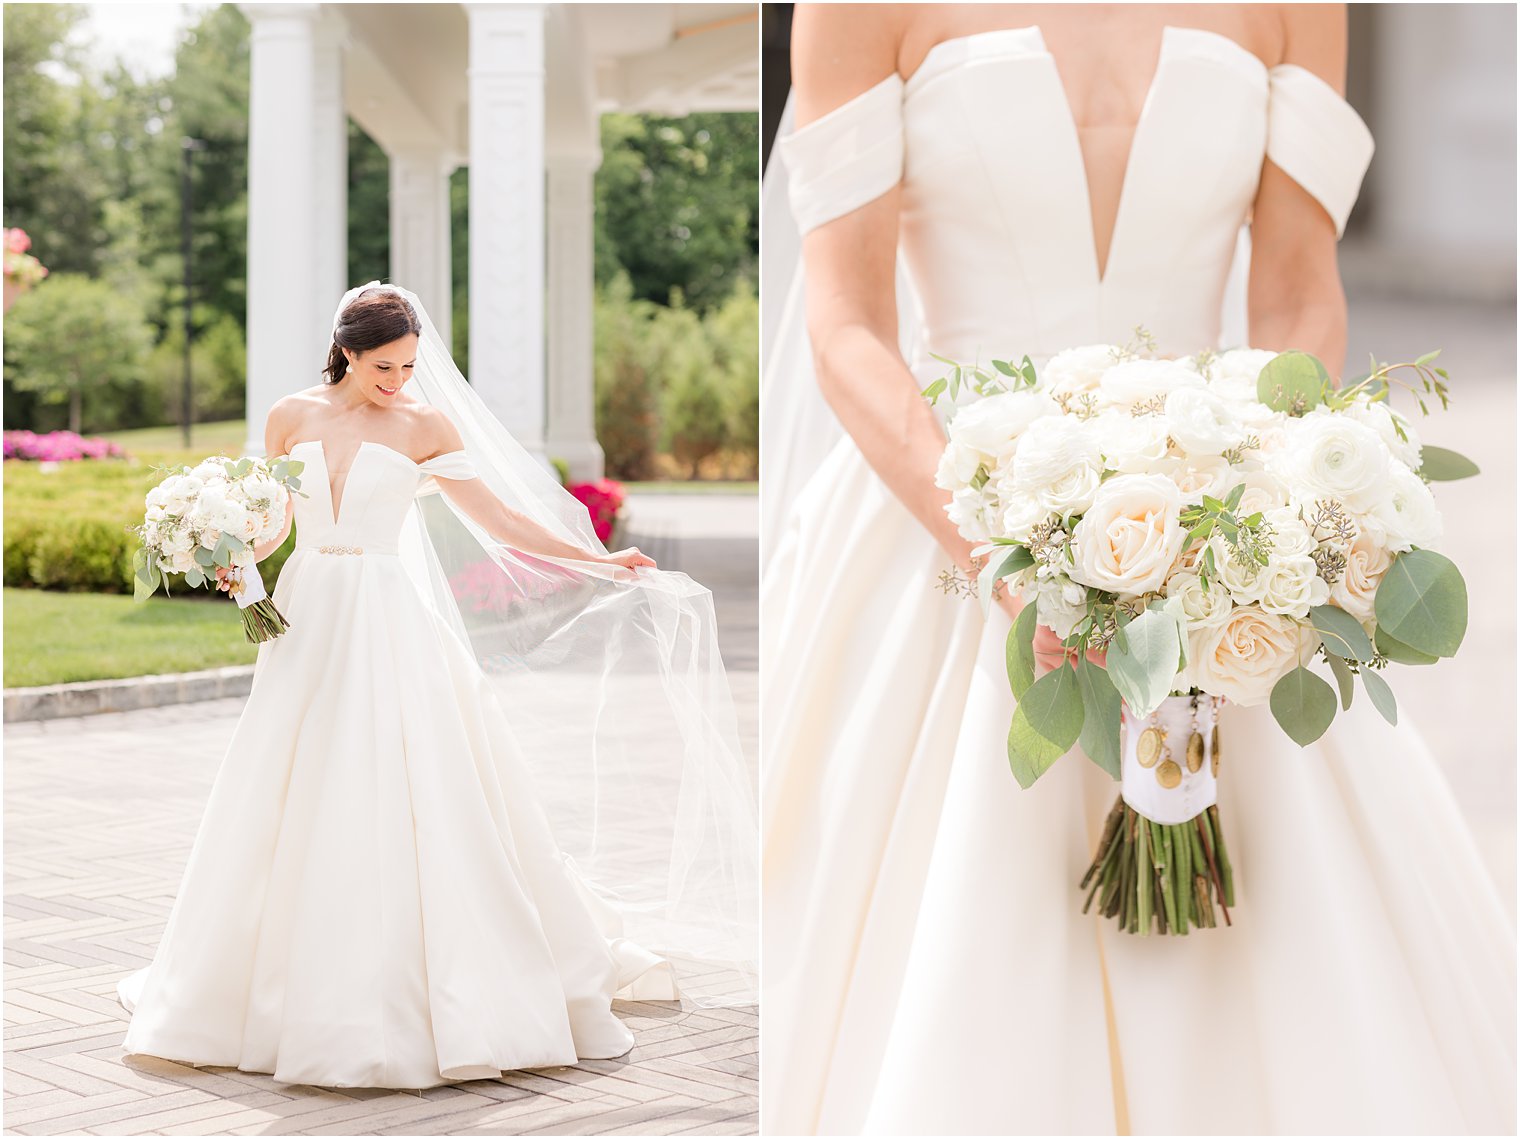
{"x":1211,"y":528}
{"x":209,"y":516}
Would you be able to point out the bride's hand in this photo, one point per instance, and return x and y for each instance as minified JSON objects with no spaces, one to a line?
{"x":224,"y":578}
{"x":1050,"y":652}
{"x":628,"y":559}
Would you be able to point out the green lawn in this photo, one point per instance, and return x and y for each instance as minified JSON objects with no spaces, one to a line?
{"x":56,"y":637}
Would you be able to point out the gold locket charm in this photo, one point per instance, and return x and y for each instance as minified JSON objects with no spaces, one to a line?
{"x":1194,"y":752}
{"x":1149,"y":747}
{"x":1214,"y":748}
{"x":1168,"y":774}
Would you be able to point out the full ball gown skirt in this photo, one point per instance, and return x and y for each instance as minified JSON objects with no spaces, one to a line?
{"x":374,"y":897}
{"x":928,"y":968}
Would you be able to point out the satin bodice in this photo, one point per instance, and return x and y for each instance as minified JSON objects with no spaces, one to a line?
{"x":996,"y":223}
{"x":380,"y":489}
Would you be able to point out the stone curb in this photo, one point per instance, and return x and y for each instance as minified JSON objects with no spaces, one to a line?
{"x":89,"y":697}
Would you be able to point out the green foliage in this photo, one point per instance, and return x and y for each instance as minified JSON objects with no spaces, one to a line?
{"x":692,"y":411}
{"x":1144,"y":662}
{"x":1101,"y":706}
{"x":1018,"y":651}
{"x":1303,"y":706}
{"x":77,"y":342}
{"x":1422,"y":602}
{"x":676,"y":206}
{"x":1441,"y":465}
{"x":1046,"y":723}
{"x":736,"y":352}
{"x":218,"y":369}
{"x":627,"y":407}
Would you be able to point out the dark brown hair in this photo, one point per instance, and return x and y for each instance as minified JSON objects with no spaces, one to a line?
{"x":373,"y":318}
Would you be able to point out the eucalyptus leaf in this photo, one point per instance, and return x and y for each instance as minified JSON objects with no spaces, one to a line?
{"x":1345,"y":679}
{"x":1303,"y":706}
{"x":1100,"y":716}
{"x":1046,"y":723}
{"x":1422,"y":602}
{"x":1144,"y":666}
{"x":1342,"y":633}
{"x":1380,"y":695}
{"x":1019,"y":651}
{"x":204,"y":557}
{"x":144,"y":584}
{"x":1398,"y":652}
{"x":1292,"y":382}
{"x":1440,"y":465}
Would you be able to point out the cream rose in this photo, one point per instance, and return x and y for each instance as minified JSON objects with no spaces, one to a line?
{"x":1367,"y":560}
{"x":1202,"y":604}
{"x":1292,"y":586}
{"x":1242,"y":657}
{"x":1131,"y":444}
{"x":1140,"y":381}
{"x":1130,"y":537}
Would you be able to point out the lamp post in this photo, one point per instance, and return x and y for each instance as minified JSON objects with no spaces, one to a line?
{"x":187,"y":147}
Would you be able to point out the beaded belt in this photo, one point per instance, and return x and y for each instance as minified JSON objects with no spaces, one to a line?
{"x":340,"y":549}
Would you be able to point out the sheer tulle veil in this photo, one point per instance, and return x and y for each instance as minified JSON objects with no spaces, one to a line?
{"x":617,"y":696}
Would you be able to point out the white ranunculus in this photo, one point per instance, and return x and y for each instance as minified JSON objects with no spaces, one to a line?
{"x":1050,"y":448}
{"x":181,"y":561}
{"x":992,"y":426}
{"x":1367,"y":560}
{"x":1407,"y":512}
{"x":1202,"y":422}
{"x":1130,"y":537}
{"x":156,"y":498}
{"x":1073,"y":492}
{"x":1140,"y":381}
{"x":1077,"y":370}
{"x":180,"y":541}
{"x":1290,"y":537}
{"x":1021,"y":515}
{"x":1380,"y":418}
{"x":1328,"y":455}
{"x":1243,"y":656}
{"x":958,"y":465}
{"x":1131,"y":444}
{"x":1292,"y":586}
{"x":1201,"y":604}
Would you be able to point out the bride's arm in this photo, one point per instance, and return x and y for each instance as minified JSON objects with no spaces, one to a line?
{"x":839,"y":51}
{"x":1294,"y":294}
{"x":509,"y":526}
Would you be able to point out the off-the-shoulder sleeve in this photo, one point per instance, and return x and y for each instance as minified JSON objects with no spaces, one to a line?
{"x":846,"y":158}
{"x":1318,"y":139}
{"x":453,"y":465}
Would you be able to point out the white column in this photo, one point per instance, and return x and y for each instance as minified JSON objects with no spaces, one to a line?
{"x":506,"y":80}
{"x":420,"y":231}
{"x":571,"y":273}
{"x":297,"y":213}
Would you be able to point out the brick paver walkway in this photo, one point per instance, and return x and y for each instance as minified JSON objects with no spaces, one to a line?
{"x":100,"y":813}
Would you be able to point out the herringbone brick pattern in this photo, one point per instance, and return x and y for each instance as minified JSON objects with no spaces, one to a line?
{"x":100,"y":815}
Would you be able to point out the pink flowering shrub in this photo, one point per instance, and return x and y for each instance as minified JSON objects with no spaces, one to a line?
{"x":602,"y":499}
{"x":59,"y":445}
{"x":20,"y":266}
{"x":486,"y":586}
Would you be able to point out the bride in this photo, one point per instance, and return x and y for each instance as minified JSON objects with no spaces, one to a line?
{"x":1053,"y":176}
{"x":486,"y":782}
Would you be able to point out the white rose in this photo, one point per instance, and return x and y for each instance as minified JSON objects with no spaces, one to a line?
{"x":1233,"y":374}
{"x":1327,"y":455}
{"x":1292,"y":587}
{"x":1290,"y":537}
{"x":1380,"y":418}
{"x":1130,"y":537}
{"x":1407,"y":513}
{"x":1202,"y":422}
{"x":1367,"y":560}
{"x":1077,"y":370}
{"x":1131,"y":444}
{"x":1021,"y":516}
{"x":1062,"y":603}
{"x":1263,"y":493}
{"x":992,"y":426}
{"x":1245,"y":582}
{"x":958,"y":465}
{"x":1201,"y":604}
{"x":1243,"y":656}
{"x":180,"y":541}
{"x":1073,"y":492}
{"x":181,"y":561}
{"x":157,"y":498}
{"x":1196,"y":477}
{"x":1140,"y":381}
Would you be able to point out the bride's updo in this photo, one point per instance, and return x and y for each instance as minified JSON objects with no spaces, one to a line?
{"x":373,"y":318}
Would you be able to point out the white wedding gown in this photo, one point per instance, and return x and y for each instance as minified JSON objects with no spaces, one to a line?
{"x":927,"y":967}
{"x":374,"y":897}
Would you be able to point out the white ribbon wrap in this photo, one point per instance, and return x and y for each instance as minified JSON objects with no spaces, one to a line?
{"x":253,"y":587}
{"x":1195,"y":793}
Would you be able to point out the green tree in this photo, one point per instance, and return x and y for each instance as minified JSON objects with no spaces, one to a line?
{"x":627,"y":403}
{"x":692,"y":408}
{"x":733,"y":330}
{"x":676,"y":204}
{"x":76,"y":338}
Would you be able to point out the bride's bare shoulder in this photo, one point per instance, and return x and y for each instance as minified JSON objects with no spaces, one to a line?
{"x":1314,"y":37}
{"x":841,"y":50}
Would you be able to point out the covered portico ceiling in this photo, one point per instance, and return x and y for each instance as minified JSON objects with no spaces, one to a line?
{"x":406,"y":66}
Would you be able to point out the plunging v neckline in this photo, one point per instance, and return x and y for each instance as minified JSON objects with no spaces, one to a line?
{"x":335,"y":508}
{"x":1100,"y":273}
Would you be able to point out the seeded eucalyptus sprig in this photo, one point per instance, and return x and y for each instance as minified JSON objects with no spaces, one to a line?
{"x":1249,"y":538}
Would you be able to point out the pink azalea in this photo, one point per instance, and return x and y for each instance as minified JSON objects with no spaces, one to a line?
{"x":58,"y":446}
{"x":16,"y":240}
{"x":602,"y":500}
